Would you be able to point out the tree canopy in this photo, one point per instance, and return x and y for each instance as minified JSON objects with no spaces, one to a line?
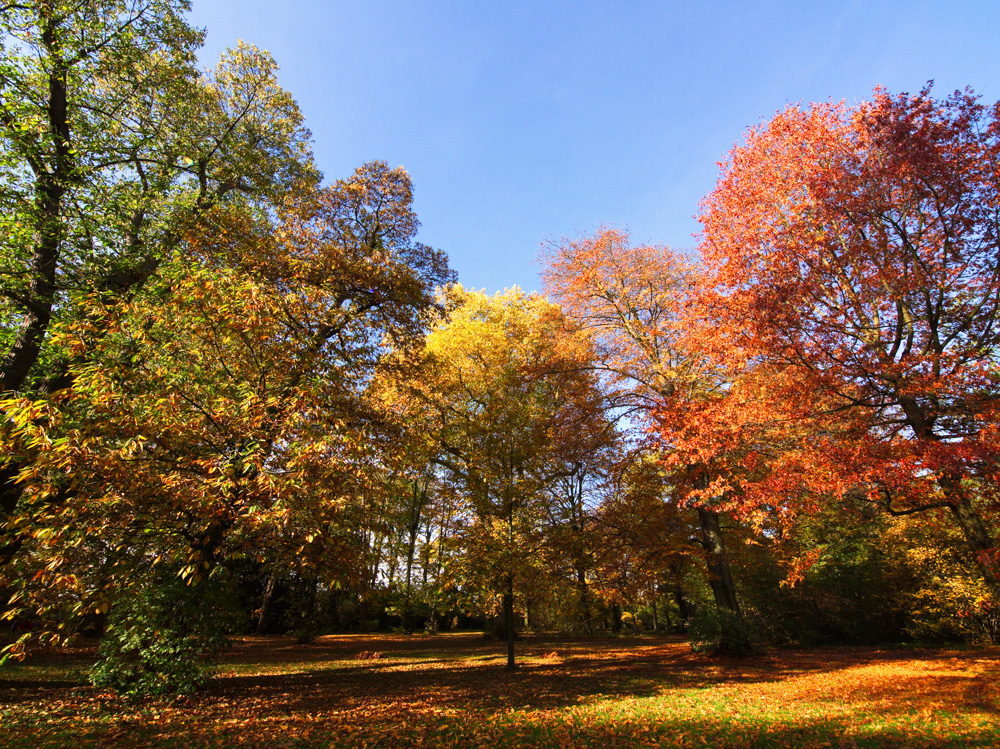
{"x":234,"y":397}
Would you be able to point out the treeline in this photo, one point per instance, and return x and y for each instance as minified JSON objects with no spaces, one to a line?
{"x":237,"y":399}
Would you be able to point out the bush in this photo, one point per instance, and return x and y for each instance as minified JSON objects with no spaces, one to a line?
{"x":707,"y":635}
{"x":160,"y":635}
{"x":983,"y":616}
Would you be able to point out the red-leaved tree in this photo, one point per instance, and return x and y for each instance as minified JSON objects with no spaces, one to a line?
{"x":855,"y":258}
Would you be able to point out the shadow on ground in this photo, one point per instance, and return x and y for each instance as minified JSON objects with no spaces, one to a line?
{"x":453,"y":690}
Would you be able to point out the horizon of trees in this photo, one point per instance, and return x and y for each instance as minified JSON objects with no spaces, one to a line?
{"x":237,"y":399}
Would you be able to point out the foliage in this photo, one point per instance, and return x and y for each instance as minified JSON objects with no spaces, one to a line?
{"x":209,"y":363}
{"x":160,"y":633}
{"x":983,"y":615}
{"x":113,"y":144}
{"x":853,"y":253}
{"x":639,"y":307}
{"x":708,"y":631}
{"x":114,"y":151}
{"x":504,"y":405}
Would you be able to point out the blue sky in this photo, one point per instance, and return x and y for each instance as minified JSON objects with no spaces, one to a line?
{"x":522,"y":122}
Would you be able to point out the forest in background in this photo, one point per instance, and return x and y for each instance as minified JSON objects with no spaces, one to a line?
{"x":237,"y":398}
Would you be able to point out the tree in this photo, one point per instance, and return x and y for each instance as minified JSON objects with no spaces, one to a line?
{"x":503,"y":395}
{"x":112,"y":147}
{"x":855,"y":255}
{"x":572,"y":534}
{"x":635,"y":302}
{"x":645,"y":530}
{"x":233,"y":391}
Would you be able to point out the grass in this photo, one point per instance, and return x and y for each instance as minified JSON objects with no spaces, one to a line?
{"x":452,"y":690}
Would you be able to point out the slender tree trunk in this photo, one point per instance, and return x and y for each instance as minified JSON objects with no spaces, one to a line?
{"x":733,"y":631}
{"x":668,"y":625}
{"x":585,"y":613}
{"x":310,"y":611}
{"x":656,"y":623}
{"x":683,"y":614}
{"x":407,"y":605}
{"x":265,"y":603}
{"x":362,"y":614}
{"x":508,"y":617}
{"x":425,"y":552}
{"x":51,"y":182}
{"x":418,"y":500}
{"x":338,"y":611}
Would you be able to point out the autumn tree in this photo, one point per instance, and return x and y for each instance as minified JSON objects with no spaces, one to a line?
{"x":232,"y":392}
{"x":635,"y":302}
{"x":113,"y":146}
{"x":573,"y":539}
{"x":504,"y":395}
{"x":854,"y":251}
{"x":645,"y":532}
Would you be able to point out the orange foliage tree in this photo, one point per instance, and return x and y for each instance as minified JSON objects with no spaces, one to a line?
{"x":855,"y":264}
{"x":637,"y":305}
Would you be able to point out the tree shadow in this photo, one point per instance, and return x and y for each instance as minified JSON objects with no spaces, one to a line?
{"x":455,"y":691}
{"x":577,"y":674}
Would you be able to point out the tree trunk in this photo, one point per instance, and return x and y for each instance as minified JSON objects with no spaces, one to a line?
{"x":683,"y":614}
{"x":407,"y":603}
{"x":362,"y":613}
{"x":413,"y":530}
{"x":309,"y":611}
{"x":338,"y":612}
{"x":51,"y":182}
{"x":508,"y":618}
{"x":585,"y":614}
{"x":733,"y":632}
{"x":667,"y":624}
{"x":656,"y":622}
{"x":982,"y":545}
{"x":265,"y":603}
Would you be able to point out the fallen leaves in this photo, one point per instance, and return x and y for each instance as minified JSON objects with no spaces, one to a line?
{"x":450,"y":691}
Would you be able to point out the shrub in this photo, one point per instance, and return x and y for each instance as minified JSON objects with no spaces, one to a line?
{"x":160,"y":635}
{"x":983,"y":616}
{"x":707,"y":635}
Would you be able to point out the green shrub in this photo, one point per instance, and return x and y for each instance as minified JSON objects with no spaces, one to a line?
{"x":707,"y":635}
{"x":160,"y":635}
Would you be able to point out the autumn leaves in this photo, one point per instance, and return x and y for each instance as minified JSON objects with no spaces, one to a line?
{"x":853,"y":253}
{"x":837,"y":342}
{"x":211,"y":358}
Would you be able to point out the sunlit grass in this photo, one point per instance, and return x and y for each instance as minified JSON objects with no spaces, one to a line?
{"x":454,"y":691}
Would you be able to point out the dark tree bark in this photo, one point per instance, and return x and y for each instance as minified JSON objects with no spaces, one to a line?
{"x":683,"y":614}
{"x":585,"y":612}
{"x":508,"y":618}
{"x":733,"y":632}
{"x":265,"y":603}
{"x":656,"y":621}
{"x":616,"y":618}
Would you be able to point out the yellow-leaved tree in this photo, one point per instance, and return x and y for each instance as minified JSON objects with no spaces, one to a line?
{"x":505,"y":395}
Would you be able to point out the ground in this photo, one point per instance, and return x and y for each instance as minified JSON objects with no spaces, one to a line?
{"x":452,"y":690}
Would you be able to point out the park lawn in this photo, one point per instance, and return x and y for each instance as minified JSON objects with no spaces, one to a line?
{"x":452,"y":690}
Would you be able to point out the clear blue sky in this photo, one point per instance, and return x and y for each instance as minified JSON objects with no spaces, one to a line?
{"x":526,"y":120}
